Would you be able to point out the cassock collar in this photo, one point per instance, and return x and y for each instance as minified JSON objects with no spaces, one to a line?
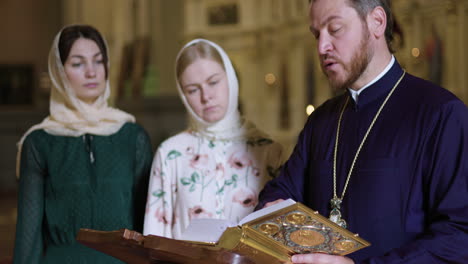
{"x":379,"y":88}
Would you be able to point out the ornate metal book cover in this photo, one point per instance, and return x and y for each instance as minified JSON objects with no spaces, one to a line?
{"x":296,"y":229}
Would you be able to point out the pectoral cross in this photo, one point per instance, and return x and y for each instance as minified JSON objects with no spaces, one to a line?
{"x":335,"y":213}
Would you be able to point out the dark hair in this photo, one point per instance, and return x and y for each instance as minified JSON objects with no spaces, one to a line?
{"x":71,"y":33}
{"x":363,"y":7}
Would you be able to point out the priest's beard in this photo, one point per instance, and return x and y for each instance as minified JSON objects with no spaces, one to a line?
{"x":355,"y":68}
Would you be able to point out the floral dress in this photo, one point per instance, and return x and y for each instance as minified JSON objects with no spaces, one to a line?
{"x":193,"y":177}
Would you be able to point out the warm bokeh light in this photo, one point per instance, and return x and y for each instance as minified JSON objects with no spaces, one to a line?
{"x":310,"y":109}
{"x":415,"y":52}
{"x":270,"y":78}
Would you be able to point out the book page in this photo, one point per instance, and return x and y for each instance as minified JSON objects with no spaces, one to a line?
{"x":206,"y":230}
{"x":210,"y":230}
{"x":266,"y":210}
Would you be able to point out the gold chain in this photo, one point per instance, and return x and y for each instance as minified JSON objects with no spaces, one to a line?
{"x":360,"y":145}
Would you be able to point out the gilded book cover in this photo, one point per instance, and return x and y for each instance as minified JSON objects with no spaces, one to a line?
{"x":295,"y":229}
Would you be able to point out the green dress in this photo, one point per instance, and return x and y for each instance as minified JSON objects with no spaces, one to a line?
{"x":68,"y":183}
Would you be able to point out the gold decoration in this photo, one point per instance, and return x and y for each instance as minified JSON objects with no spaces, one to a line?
{"x":269,"y":229}
{"x":307,"y":238}
{"x":344,"y":245}
{"x":296,"y":218}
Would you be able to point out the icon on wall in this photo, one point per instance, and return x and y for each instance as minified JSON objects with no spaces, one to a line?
{"x":226,"y":14}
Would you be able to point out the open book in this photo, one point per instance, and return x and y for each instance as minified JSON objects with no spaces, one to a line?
{"x":271,"y":235}
{"x":210,"y":230}
{"x":285,"y":228}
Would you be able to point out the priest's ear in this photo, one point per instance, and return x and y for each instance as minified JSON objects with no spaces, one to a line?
{"x":377,"y":22}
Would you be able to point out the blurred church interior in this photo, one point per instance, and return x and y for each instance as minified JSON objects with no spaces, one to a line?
{"x":268,"y":41}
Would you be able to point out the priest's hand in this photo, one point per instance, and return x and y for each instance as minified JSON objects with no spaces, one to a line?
{"x":319,"y":258}
{"x":272,"y":203}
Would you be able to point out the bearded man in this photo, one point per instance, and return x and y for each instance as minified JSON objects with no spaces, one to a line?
{"x":388,"y":158}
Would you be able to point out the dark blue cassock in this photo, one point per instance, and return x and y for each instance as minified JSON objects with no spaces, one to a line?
{"x":408,"y":194}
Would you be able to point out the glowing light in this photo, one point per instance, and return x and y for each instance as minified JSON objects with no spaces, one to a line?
{"x":310,"y":109}
{"x":270,"y":78}
{"x":415,"y":52}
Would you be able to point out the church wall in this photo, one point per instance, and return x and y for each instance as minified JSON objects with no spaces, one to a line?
{"x":27,"y":28}
{"x":448,"y":18}
{"x":167,"y":33}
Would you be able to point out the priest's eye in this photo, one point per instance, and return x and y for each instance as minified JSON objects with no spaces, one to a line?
{"x":335,"y":30}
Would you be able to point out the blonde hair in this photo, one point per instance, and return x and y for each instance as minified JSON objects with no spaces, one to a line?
{"x":198,"y":50}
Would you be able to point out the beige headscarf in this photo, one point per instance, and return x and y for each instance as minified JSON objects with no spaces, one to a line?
{"x":69,"y":116}
{"x":231,"y":126}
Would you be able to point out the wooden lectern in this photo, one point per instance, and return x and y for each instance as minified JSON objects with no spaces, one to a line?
{"x":134,"y":248}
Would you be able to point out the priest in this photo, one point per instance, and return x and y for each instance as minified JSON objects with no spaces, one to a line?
{"x":388,"y":158}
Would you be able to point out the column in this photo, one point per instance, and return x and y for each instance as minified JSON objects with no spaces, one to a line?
{"x":121,"y":34}
{"x":142,"y":18}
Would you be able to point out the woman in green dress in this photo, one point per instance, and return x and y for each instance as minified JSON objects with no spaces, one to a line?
{"x":85,"y":166}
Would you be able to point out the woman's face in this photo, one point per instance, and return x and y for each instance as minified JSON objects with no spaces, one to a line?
{"x":205,"y":86}
{"x":85,"y":70}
